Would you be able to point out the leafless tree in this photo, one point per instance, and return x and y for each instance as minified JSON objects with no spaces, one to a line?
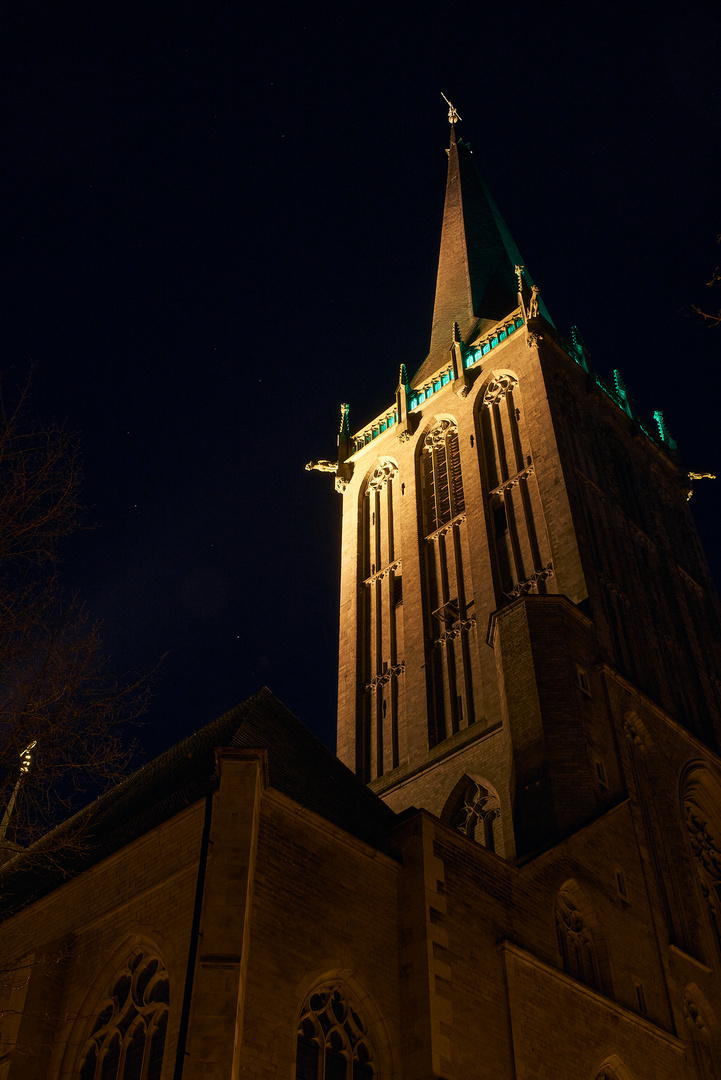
{"x":56,"y":690}
{"x":712,"y":317}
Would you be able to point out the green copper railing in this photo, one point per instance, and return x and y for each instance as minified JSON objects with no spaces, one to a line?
{"x":618,"y":393}
{"x":471,"y":355}
{"x":374,"y":429}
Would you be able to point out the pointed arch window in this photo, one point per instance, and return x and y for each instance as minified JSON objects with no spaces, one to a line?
{"x":448,"y":596}
{"x":699,"y":1028}
{"x":613,"y":1069}
{"x":333,"y":1039}
{"x":380,"y":606}
{"x":702,"y":815}
{"x":476,"y":813}
{"x":576,"y":942}
{"x":517,"y":535}
{"x":127,"y":1040}
{"x":441,"y":479}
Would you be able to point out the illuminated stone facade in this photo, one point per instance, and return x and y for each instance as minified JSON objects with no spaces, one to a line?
{"x":518,"y":874}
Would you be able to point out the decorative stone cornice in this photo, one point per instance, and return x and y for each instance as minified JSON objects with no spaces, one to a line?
{"x":379,"y":575}
{"x":446,"y":528}
{"x":512,"y":481}
{"x":386,"y":676}
{"x":531,"y":583}
{"x":463,"y":626}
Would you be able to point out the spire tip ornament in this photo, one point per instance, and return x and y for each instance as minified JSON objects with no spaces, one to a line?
{"x":26,"y":760}
{"x":453,"y":114}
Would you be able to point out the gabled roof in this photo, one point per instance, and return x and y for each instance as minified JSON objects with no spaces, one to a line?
{"x":476,"y":284}
{"x":298,"y":765}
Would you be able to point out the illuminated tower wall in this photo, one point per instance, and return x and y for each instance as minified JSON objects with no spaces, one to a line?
{"x":514,"y":536}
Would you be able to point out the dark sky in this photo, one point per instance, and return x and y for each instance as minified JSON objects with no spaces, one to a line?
{"x":219,"y":221}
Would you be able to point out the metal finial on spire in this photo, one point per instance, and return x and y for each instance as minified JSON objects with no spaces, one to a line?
{"x":26,"y":758}
{"x":453,"y":114}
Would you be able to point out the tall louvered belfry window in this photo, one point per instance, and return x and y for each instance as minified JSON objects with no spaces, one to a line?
{"x":441,"y":476}
{"x":381,"y":663}
{"x":127,"y":1039}
{"x":448,"y":596}
{"x":517,"y":534}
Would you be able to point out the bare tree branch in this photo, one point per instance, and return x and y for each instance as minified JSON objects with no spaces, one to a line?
{"x":712,"y":317}
{"x":56,"y":686}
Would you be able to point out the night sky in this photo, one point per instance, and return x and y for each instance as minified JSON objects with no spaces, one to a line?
{"x":217,"y":225}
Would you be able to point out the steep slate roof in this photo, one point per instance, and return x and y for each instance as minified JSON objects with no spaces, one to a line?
{"x":298,"y":765}
{"x":476,"y":283}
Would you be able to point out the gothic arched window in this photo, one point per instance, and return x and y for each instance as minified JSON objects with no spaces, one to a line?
{"x":333,"y":1040}
{"x":448,"y":594}
{"x":474,"y":809}
{"x":128,"y":1037}
{"x":613,"y":1069}
{"x":381,"y":624}
{"x":699,"y":1028}
{"x":576,"y":940}
{"x":702,"y":814}
{"x":441,"y":480}
{"x":644,"y":770}
{"x":516,"y":529}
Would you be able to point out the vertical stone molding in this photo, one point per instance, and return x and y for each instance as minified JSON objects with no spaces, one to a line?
{"x":701,"y":798}
{"x":449,"y":616}
{"x":518,"y":537}
{"x":703,"y":1030}
{"x":380,"y":666}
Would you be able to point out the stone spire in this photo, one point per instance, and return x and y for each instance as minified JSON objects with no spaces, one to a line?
{"x":476,"y":281}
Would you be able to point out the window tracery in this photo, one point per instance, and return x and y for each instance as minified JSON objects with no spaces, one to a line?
{"x":701,"y":1037}
{"x":498,"y":388}
{"x":478,"y":814}
{"x":701,"y":810}
{"x":441,"y":481}
{"x":613,"y":1069}
{"x":575,"y":940}
{"x":333,"y":1040}
{"x":517,"y":535}
{"x":381,"y":667}
{"x":450,"y":618}
{"x":128,"y":1037}
{"x":387,"y":470}
{"x":706,"y":849}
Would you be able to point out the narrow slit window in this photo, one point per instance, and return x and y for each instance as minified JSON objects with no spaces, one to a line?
{"x":621,"y":884}
{"x":641,"y":998}
{"x":582,"y":679}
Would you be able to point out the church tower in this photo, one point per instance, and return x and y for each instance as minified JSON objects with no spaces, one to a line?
{"x":519,"y":563}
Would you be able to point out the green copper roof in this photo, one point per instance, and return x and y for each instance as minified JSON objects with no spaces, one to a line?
{"x":476,"y":281}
